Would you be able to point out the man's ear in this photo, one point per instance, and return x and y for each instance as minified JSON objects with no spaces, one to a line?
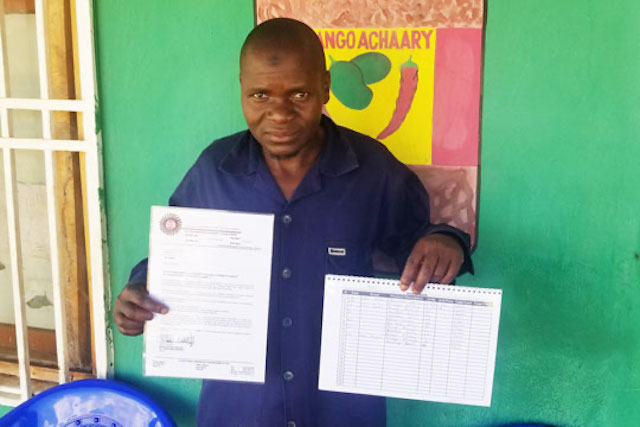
{"x":326,"y":86}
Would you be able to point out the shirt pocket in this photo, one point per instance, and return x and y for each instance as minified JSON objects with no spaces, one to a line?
{"x":347,"y":257}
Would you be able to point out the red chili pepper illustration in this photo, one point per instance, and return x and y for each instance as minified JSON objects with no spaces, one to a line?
{"x":408,"y":86}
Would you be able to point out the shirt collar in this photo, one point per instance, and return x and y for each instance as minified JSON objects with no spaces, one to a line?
{"x":337,"y":159}
{"x":244,"y":156}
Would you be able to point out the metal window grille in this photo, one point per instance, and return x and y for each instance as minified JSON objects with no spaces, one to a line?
{"x":90,"y":146}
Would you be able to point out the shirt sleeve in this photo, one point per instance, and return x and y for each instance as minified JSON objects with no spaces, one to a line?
{"x":405,"y":217}
{"x":139,"y":272}
{"x":186,"y":194}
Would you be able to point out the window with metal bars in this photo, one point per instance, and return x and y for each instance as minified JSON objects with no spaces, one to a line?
{"x":53,"y":297}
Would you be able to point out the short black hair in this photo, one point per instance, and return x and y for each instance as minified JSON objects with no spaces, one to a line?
{"x":285,"y":34}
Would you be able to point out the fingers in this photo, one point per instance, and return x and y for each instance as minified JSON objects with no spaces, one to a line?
{"x":410,"y":271}
{"x":131,"y":332}
{"x":451,"y":273}
{"x":126,"y":326}
{"x":133,"y":308}
{"x":134,"y":312}
{"x":136,"y":294}
{"x":427,"y":268}
{"x":440,"y":271}
{"x":436,"y":258}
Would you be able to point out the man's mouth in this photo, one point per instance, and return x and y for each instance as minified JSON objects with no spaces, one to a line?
{"x":277,"y":136}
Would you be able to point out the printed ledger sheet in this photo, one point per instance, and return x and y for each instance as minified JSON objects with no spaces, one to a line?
{"x":437,"y":346}
{"x":212,"y":269}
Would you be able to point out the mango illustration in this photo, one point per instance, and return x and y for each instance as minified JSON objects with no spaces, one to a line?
{"x":348,"y":86}
{"x":374,"y":66}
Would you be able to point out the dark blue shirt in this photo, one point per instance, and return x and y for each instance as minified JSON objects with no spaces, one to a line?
{"x":356,"y":197}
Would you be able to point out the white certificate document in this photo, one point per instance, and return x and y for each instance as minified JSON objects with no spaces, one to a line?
{"x":213,"y":270}
{"x":438,"y":346}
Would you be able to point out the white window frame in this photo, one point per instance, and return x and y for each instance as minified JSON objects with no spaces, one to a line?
{"x":90,"y":145}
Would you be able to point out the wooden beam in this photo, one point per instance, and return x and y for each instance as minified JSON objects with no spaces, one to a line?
{"x":40,"y":340}
{"x":41,"y":373}
{"x":19,"y":6}
{"x":69,"y":192}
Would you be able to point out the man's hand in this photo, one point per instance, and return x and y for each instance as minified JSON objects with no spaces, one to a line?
{"x":133,"y":307}
{"x":435,"y":258}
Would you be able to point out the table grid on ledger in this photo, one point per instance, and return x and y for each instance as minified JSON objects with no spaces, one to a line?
{"x":414,"y":343}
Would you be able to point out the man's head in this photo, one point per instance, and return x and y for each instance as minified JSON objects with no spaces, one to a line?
{"x":285,"y":34}
{"x":284,"y":83}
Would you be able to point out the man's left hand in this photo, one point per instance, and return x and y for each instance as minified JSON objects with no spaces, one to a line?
{"x":435,"y":258}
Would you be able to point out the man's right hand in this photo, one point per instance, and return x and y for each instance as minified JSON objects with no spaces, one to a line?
{"x":133,"y":307}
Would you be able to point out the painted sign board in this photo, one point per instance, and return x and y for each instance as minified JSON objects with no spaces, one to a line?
{"x":408,"y":73}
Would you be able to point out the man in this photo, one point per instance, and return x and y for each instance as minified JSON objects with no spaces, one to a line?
{"x":329,"y":187}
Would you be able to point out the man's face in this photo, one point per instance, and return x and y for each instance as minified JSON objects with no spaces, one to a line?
{"x":282,"y":97}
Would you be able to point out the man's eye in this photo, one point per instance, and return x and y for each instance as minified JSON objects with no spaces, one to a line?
{"x":300,"y":95}
{"x":259,"y":95}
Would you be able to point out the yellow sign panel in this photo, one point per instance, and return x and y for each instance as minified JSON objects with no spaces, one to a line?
{"x":382,"y":85}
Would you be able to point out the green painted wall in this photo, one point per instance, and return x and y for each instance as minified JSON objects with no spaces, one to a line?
{"x":559,"y":215}
{"x":559,"y":208}
{"x":168,"y":76}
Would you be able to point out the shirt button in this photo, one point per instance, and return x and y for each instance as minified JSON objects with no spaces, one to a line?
{"x":291,"y":424}
{"x":288,"y":375}
{"x":286,"y":273}
{"x":286,"y":322}
{"x":286,"y":219}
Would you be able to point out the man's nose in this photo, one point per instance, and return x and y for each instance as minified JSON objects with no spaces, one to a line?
{"x":281,"y":111}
